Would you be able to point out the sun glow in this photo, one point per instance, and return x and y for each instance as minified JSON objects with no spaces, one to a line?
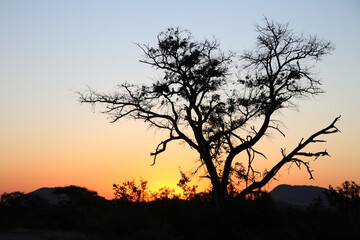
{"x":48,"y":139}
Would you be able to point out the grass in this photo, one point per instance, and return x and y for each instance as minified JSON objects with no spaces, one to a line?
{"x":53,"y":234}
{"x":177,"y":220}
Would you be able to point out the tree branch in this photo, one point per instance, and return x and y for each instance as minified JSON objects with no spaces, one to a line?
{"x":291,"y":157}
{"x":162,"y":147}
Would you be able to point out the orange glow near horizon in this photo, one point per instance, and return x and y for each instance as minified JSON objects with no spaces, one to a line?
{"x":117,"y":154}
{"x":48,"y":52}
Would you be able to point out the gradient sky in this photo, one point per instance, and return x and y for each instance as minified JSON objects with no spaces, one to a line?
{"x":50,"y":49}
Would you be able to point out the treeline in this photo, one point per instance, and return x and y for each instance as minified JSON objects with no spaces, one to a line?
{"x":133,"y":214}
{"x":129,"y":191}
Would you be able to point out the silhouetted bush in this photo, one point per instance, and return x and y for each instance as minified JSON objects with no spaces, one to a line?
{"x":345,"y":199}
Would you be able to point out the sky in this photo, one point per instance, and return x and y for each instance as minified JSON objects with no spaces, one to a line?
{"x":51,"y":49}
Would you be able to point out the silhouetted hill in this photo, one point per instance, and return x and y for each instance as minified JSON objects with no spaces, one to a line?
{"x":49,"y":195}
{"x":300,"y":196}
{"x":74,"y":195}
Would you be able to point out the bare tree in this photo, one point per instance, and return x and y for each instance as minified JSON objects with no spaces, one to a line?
{"x":205,"y":102}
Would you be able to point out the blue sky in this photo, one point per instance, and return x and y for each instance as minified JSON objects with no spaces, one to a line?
{"x":50,"y":49}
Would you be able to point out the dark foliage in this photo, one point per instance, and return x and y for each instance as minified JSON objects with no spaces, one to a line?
{"x":345,"y":198}
{"x":12,"y":199}
{"x":198,"y":218}
{"x":129,"y":192}
{"x":181,"y":219}
{"x":80,"y":197}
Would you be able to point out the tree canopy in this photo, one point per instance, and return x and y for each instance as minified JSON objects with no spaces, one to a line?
{"x":222,"y":103}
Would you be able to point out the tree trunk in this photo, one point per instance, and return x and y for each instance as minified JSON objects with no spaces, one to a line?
{"x":218,"y":193}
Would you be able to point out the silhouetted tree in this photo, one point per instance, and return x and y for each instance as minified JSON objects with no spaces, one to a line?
{"x":12,"y":198}
{"x":345,"y":198}
{"x":203,"y":101}
{"x":189,"y":192}
{"x":7,"y":196}
{"x":129,"y":192}
{"x":165,"y":193}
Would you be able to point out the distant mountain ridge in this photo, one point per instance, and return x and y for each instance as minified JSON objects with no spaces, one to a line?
{"x":48,"y":194}
{"x":283,"y":195}
{"x":69,"y":194}
{"x":300,"y":196}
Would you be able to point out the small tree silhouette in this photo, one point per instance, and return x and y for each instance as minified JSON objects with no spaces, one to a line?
{"x":189,"y":192}
{"x":12,"y":198}
{"x":345,"y":198}
{"x":129,"y":192}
